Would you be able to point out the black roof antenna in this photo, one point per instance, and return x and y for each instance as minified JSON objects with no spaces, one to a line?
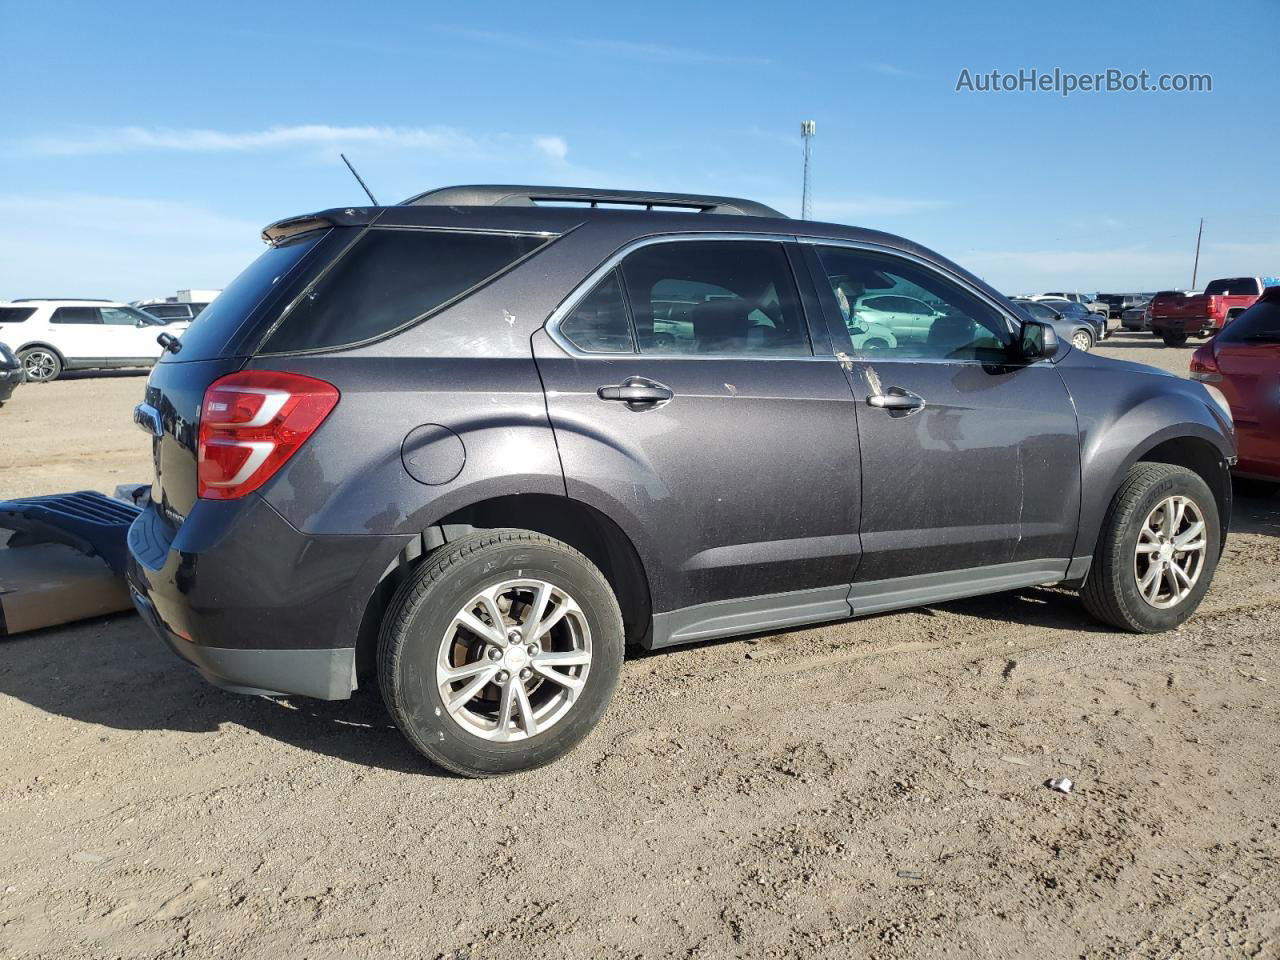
{"x":359,"y":179}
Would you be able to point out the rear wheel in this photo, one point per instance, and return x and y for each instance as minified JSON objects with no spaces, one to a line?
{"x":1157,"y":550}
{"x":1172,"y":339}
{"x":500,"y":652}
{"x":40,"y":364}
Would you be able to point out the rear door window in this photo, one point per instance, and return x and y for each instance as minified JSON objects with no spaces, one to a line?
{"x":722,"y":297}
{"x":76,"y":315}
{"x":389,"y":279}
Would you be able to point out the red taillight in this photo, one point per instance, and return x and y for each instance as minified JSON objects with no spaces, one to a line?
{"x":251,"y":423}
{"x":1204,"y":365}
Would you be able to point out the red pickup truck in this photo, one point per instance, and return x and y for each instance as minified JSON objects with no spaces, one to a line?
{"x":1176,"y":316}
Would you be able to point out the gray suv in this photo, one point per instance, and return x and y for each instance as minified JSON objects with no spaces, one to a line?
{"x":479,"y":443}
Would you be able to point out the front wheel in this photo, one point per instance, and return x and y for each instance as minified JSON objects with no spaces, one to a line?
{"x":1172,"y":339}
{"x":1157,"y":550}
{"x":1082,"y":340}
{"x":40,"y":364}
{"x":500,"y":652}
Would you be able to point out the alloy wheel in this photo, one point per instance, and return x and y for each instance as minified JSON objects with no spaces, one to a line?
{"x":513,"y":660}
{"x":39,"y":365}
{"x":1081,"y":340}
{"x":1170,"y":553}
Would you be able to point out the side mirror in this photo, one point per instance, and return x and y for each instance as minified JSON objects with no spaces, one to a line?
{"x":1037,"y":340}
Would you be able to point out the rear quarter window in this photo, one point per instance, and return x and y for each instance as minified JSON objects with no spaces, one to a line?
{"x":15,"y":314}
{"x":390,"y":278}
{"x":1259,"y":324}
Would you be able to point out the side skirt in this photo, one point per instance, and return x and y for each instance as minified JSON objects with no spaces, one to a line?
{"x":727,"y":618}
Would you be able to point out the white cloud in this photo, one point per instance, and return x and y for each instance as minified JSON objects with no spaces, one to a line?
{"x":440,"y":141}
{"x":888,"y":69}
{"x":553,"y":147}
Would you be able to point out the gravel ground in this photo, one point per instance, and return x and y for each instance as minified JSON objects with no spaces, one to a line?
{"x":870,"y":788}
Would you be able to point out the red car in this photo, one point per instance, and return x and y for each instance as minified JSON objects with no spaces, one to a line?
{"x":1174,"y":317}
{"x":1243,"y":361}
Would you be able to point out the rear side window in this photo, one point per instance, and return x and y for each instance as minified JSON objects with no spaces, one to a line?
{"x":1259,"y":324}
{"x":720,"y":297}
{"x":15,"y":314}
{"x":169,"y":311}
{"x":1236,"y":287}
{"x":76,"y":315}
{"x":388,"y":279}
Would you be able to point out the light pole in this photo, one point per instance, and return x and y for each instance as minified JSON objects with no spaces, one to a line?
{"x":807,"y":130}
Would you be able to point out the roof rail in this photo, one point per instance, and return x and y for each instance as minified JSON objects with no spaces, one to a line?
{"x":507,"y":195}
{"x":66,"y":299}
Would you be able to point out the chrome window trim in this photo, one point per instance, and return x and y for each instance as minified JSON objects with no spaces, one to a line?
{"x":570,"y":303}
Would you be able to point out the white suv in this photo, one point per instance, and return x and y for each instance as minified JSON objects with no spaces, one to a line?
{"x":50,"y":336}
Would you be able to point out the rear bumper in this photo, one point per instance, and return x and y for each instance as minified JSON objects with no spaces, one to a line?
{"x":1192,"y":326}
{"x":254,"y":604}
{"x":324,"y":674}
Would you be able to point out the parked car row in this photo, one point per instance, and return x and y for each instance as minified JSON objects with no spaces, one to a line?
{"x":51,"y":336}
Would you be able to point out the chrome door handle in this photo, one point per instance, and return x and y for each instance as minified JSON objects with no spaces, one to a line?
{"x":895,"y":398}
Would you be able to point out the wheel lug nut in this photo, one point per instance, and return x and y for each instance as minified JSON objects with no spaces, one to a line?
{"x":533,"y":649}
{"x":526,"y":673}
{"x":502,"y":676}
{"x":495,"y":653}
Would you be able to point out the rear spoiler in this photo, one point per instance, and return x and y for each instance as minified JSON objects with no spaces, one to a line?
{"x":280,"y":231}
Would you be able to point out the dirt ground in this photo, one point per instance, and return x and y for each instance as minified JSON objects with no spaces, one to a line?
{"x":872,"y":788}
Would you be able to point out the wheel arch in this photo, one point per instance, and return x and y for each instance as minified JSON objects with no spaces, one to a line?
{"x":580,"y":525}
{"x":1203,"y":458}
{"x":46,"y":345}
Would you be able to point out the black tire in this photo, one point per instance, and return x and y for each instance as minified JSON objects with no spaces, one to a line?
{"x":421,"y":612}
{"x":876,"y":343}
{"x":1110,"y":590}
{"x":40,"y":364}
{"x":1254,"y":487}
{"x":1172,"y":339}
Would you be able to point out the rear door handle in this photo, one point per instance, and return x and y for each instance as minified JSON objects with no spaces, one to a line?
{"x":895,"y":398}
{"x":636,"y":392}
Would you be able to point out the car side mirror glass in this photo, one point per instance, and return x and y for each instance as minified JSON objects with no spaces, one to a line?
{"x":1037,"y":340}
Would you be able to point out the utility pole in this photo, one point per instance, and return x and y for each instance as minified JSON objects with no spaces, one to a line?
{"x":1195,"y":271}
{"x":807,"y":130}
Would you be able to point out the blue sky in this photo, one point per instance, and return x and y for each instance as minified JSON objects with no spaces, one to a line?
{"x":146,"y":144}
